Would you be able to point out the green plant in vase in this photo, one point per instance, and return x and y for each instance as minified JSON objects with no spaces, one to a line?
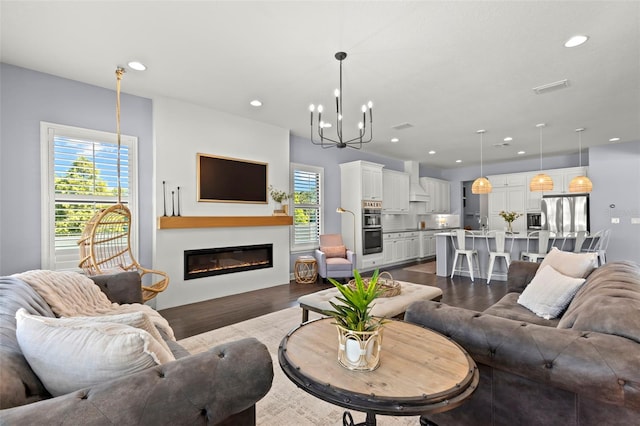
{"x":509,"y":217}
{"x":359,"y":333}
{"x":279,"y":196}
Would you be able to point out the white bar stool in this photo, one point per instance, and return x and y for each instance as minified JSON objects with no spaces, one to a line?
{"x":543,"y":246}
{"x":458,"y":237}
{"x":499,"y":237}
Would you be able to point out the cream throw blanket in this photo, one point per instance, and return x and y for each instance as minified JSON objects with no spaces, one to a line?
{"x":70,"y":294}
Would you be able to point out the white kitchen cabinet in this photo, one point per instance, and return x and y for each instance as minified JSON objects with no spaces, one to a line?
{"x":395,"y":190}
{"x":359,"y":180}
{"x":400,"y":247}
{"x":508,"y":194}
{"x":439,"y":194}
{"x":427,"y":243}
{"x":372,"y":182}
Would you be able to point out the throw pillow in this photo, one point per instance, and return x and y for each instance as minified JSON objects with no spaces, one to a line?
{"x":337,"y":251}
{"x":549,"y":293}
{"x":134,"y":319}
{"x":69,"y":354}
{"x":576,"y":265}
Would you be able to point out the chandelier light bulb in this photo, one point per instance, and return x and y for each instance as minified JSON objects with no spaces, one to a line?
{"x":322,"y":124}
{"x":312,"y":107}
{"x":364,"y":108}
{"x":360,"y":125}
{"x":320,"y":108}
{"x":336,"y":93}
{"x":370,"y":104}
{"x":339,"y":117}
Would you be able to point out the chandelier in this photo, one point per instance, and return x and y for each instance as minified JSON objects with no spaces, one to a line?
{"x":339,"y":141}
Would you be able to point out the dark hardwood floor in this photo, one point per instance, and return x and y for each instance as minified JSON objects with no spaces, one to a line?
{"x":189,"y":320}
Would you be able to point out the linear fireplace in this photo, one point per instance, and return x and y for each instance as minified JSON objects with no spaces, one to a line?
{"x":226,"y":260}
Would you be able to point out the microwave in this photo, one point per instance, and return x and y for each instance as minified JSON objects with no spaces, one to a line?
{"x":534,"y":221}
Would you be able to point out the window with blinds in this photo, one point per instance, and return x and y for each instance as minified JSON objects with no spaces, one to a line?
{"x":81,"y":179}
{"x":307,"y":206}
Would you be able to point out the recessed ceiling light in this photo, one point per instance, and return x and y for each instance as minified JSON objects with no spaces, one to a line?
{"x":458,"y":161}
{"x":394,"y":140}
{"x":521,"y":152}
{"x":432,"y":152}
{"x":576,"y":40}
{"x":138,"y":66}
{"x":614,"y":140}
{"x":256,"y":103}
{"x":508,"y":139}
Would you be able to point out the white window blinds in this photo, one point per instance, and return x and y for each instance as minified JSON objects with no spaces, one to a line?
{"x":81,"y":179}
{"x":307,"y":206}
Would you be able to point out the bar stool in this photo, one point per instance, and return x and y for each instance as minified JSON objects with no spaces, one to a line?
{"x":500,"y":238}
{"x":458,"y":237}
{"x":543,"y":246}
{"x":598,"y":245}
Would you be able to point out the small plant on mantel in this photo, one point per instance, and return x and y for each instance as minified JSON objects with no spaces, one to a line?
{"x":355,"y":311}
{"x":277,"y":195}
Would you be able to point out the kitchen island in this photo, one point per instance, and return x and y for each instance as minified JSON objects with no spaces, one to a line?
{"x":445,"y":251}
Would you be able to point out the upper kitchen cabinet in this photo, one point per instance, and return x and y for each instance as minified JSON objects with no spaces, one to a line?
{"x":439,"y":194}
{"x":561,"y":179}
{"x":395,"y":187}
{"x":362,"y":180}
{"x":508,"y":194}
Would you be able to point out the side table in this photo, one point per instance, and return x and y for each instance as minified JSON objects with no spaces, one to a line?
{"x":305,"y":270}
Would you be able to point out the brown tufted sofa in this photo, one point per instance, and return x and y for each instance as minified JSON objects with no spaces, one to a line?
{"x":581,"y":369}
{"x":217,"y":387}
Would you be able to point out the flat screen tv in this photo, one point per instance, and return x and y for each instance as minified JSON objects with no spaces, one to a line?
{"x":231,"y":180}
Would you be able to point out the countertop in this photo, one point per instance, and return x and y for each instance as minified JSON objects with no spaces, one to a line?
{"x":384,"y":231}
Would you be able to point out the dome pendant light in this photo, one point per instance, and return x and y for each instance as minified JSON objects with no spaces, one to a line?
{"x":580,"y":184}
{"x":482,"y":184}
{"x":542,"y":181}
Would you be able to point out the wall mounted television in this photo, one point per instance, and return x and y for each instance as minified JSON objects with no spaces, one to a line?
{"x":231,"y":180}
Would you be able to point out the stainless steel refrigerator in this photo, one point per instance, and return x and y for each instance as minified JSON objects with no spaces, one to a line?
{"x":565,"y":213}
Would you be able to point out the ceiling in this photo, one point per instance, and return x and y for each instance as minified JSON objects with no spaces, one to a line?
{"x":448,"y":68}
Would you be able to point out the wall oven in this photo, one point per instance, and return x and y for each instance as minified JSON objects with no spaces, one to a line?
{"x":371,"y":227}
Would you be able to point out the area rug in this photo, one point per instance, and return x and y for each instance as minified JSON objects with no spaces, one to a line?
{"x":285,"y":404}
{"x":426,"y":268}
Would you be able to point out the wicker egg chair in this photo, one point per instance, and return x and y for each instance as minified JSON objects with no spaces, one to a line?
{"x":105,"y":248}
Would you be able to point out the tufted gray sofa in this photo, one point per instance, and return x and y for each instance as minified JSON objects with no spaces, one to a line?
{"x":581,"y":369}
{"x":217,"y":387}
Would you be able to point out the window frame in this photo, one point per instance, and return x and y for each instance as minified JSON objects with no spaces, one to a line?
{"x":320,"y":206}
{"x":48,"y":131}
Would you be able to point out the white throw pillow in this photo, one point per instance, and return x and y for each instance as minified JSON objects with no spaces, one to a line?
{"x":549,"y":293}
{"x":136,"y":319}
{"x":576,"y":265}
{"x":69,"y":354}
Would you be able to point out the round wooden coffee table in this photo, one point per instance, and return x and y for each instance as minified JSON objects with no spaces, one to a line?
{"x":420,"y":371}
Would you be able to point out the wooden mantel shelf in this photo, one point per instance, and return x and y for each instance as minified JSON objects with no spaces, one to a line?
{"x":178,"y":222}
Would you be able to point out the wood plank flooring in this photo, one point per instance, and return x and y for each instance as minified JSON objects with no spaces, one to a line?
{"x":196,"y":318}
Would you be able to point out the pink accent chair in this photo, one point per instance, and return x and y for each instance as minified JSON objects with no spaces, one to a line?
{"x":334,"y":260}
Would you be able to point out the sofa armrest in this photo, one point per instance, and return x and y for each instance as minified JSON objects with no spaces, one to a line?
{"x":599,"y":366}
{"x":351,"y":257}
{"x":321,"y":258}
{"x":121,"y":288}
{"x":200,"y":389}
{"x":520,"y":275}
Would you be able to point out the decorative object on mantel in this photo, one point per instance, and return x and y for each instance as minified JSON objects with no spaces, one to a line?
{"x":105,"y":243}
{"x":482,"y":184}
{"x":509,"y":217}
{"x":341,"y":210}
{"x":542,"y":181}
{"x":280,"y":196}
{"x":178,"y":197}
{"x":173,"y":203}
{"x":164,"y":198}
{"x":581,"y":184}
{"x":359,"y":334}
{"x":339,"y":141}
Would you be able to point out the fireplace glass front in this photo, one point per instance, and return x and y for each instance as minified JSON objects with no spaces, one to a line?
{"x":226,"y":260}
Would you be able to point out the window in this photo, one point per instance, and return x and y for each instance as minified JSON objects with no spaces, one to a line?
{"x":307,"y":206}
{"x":79,"y":178}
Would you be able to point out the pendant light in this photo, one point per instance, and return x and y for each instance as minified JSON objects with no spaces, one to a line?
{"x":580,"y":184}
{"x":482,"y":184}
{"x":542,"y":181}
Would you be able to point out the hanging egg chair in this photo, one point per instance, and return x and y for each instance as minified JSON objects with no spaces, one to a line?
{"x":105,"y":243}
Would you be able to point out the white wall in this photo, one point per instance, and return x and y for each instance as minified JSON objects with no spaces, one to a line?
{"x":182,"y":130}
